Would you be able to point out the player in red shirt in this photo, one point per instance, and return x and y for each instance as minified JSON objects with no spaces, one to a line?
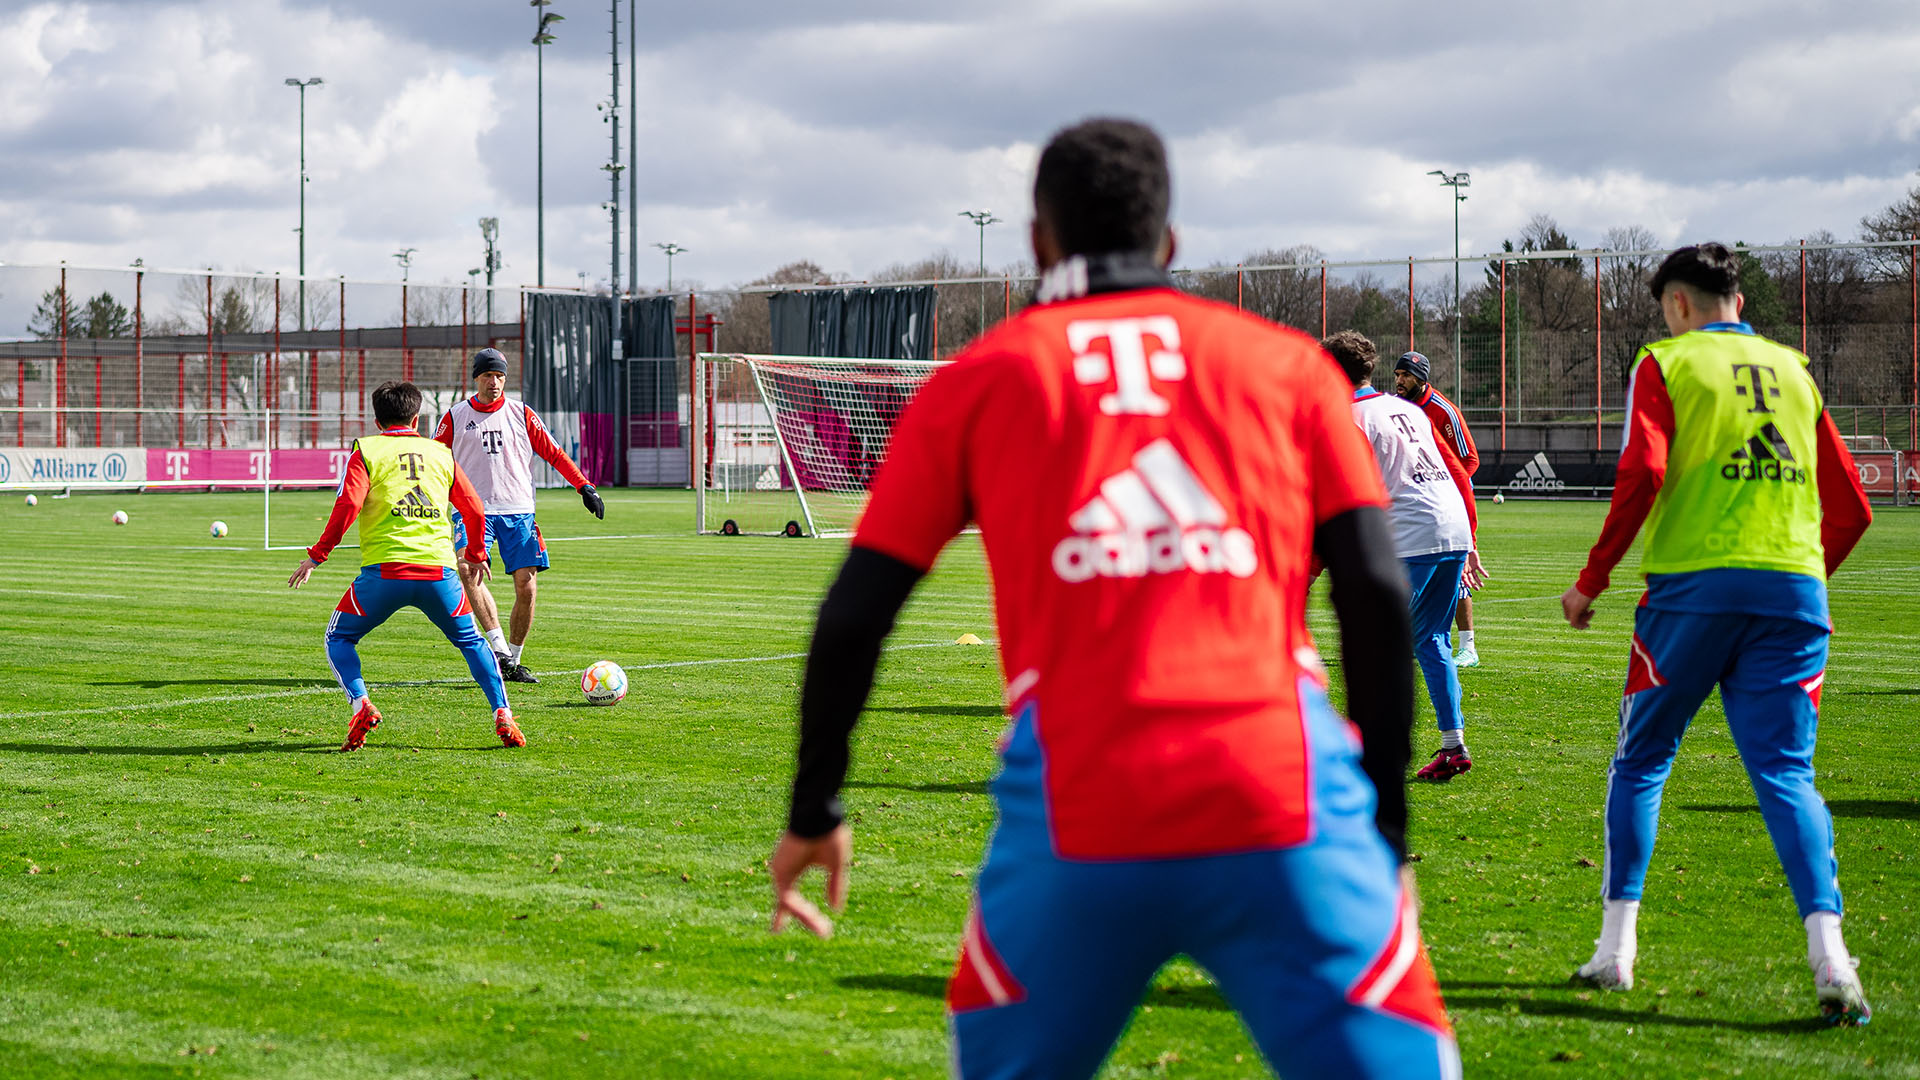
{"x":1152,"y":475}
{"x":1410,"y":375}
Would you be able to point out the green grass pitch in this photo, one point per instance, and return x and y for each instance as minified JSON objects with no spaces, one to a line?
{"x":193,"y":884}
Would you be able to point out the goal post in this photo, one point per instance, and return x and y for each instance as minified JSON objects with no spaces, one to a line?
{"x":791,"y":443}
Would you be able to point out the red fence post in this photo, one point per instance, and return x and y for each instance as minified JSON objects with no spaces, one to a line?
{"x":206,"y":399}
{"x":20,"y":403}
{"x":1239,"y":287}
{"x":273,"y":368}
{"x":1803,"y":297}
{"x":360,"y":398}
{"x":340,"y":375}
{"x":1409,"y":303}
{"x":1599,"y":360}
{"x":341,"y":357}
{"x":96,"y":402}
{"x":1006,"y":311}
{"x":406,"y":354}
{"x":1913,"y":283}
{"x":463,"y":329}
{"x":1503,"y":354}
{"x":1323,"y":298}
{"x":139,"y":360}
{"x":60,"y":374}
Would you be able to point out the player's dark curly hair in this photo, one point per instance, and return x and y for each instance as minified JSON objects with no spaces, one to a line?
{"x":1354,"y":353}
{"x":1103,"y":186}
{"x":1709,"y":267}
{"x":395,"y":403}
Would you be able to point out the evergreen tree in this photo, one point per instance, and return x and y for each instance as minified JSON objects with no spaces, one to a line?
{"x":44,"y":323}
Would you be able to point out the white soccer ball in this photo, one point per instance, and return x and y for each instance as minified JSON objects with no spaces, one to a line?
{"x":604,"y":683}
{"x":1499,"y":498}
{"x":33,"y":500}
{"x":119,"y":517}
{"x":217,"y":530}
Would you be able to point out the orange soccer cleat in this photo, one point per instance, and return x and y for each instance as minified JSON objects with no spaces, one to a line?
{"x":509,"y":732}
{"x":365,"y":719}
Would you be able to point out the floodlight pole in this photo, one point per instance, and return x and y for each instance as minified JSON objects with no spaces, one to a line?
{"x":633,"y":145}
{"x":671,"y":249}
{"x":613,"y":168}
{"x":541,"y":39}
{"x":301,"y":305}
{"x":982,"y":219}
{"x":490,"y":232}
{"x":1456,"y":181}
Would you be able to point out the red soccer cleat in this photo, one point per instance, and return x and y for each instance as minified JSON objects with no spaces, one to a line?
{"x":364,"y":721}
{"x":1446,"y":765}
{"x":509,"y":732}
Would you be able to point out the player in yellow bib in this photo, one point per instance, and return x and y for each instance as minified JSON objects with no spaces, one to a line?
{"x":402,"y":488}
{"x":1750,"y":502}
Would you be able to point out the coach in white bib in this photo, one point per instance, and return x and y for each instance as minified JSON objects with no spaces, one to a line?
{"x":494,"y":441}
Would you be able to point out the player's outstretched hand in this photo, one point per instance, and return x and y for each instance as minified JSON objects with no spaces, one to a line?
{"x":594,"y":503}
{"x":791,"y":858}
{"x":301,"y":573}
{"x":1577,"y":607}
{"x":481,"y":569}
{"x":1475,"y":575}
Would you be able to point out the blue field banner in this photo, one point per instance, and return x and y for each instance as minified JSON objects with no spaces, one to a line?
{"x":26,"y":467}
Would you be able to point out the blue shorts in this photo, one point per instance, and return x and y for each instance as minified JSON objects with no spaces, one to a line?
{"x":1315,"y":946}
{"x":521,"y":544}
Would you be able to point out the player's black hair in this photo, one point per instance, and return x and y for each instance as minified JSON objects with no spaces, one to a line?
{"x":1354,"y":353}
{"x":395,"y":403}
{"x":1709,"y":267}
{"x":1102,"y":186}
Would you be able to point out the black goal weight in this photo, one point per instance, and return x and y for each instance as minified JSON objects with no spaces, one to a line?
{"x":792,"y":529}
{"x":729,"y":527}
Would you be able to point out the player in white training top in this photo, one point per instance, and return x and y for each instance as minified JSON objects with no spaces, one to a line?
{"x":494,"y":441}
{"x":1430,"y":534}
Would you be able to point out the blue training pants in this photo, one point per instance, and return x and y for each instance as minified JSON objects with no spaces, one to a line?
{"x":371,"y":599}
{"x":1436,"y":592}
{"x":1315,"y":946}
{"x":1769,"y":671}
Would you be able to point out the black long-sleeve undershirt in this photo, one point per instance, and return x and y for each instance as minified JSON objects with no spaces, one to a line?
{"x":1369,"y":602}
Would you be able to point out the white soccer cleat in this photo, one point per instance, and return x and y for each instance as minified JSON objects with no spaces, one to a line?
{"x":1606,"y":973}
{"x":1843,"y":1001}
{"x":1467,"y":657}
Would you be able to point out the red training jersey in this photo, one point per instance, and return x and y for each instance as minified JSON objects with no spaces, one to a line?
{"x":1147,"y":469}
{"x":1456,"y":445}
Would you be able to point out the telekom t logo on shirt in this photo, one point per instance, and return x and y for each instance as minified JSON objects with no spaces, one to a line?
{"x":1127,"y":364}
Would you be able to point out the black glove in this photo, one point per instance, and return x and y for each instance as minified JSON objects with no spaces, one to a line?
{"x":593,"y":501}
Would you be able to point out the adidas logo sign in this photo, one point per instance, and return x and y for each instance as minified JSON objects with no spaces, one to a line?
{"x":416,"y":504}
{"x":1765,"y":456}
{"x":471,"y":424}
{"x":1537,"y":476}
{"x":1154,"y":518}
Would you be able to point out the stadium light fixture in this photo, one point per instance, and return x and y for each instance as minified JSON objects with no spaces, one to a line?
{"x":300,"y":305}
{"x":490,"y":233}
{"x":542,"y":37}
{"x":671,"y":249}
{"x":982,"y":219}
{"x":405,"y":258}
{"x":1456,"y":181}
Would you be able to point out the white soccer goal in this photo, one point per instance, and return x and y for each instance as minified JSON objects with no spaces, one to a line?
{"x":790,"y":443}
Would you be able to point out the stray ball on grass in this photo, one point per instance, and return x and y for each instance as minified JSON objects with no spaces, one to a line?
{"x":217,"y":530}
{"x":604,"y":683}
{"x":1499,"y":498}
{"x":119,"y":517}
{"x":33,"y":500}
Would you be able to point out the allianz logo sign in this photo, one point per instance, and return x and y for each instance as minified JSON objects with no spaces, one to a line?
{"x":1537,"y":475}
{"x":56,"y":468}
{"x":1154,"y":518}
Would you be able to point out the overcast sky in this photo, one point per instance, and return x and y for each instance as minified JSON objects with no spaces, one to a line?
{"x":851,"y":132}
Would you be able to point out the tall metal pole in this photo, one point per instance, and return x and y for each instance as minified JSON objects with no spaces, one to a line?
{"x":1456,"y":181}
{"x":633,"y":144}
{"x":542,"y":37}
{"x":982,"y":219}
{"x":671,"y":249}
{"x":614,"y":168}
{"x":301,"y":304}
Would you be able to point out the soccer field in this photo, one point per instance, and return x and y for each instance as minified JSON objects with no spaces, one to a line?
{"x":195,"y":884}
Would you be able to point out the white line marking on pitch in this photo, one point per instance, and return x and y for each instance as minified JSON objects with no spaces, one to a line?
{"x":88,"y":595}
{"x":308,"y":691}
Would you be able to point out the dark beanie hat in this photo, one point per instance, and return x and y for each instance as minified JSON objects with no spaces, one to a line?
{"x":488,"y":360}
{"x":1413,"y":363}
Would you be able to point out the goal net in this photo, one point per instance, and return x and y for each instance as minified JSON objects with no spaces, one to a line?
{"x":791,"y":443}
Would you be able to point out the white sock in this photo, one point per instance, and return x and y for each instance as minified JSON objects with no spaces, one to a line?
{"x":497,"y":639}
{"x":1824,"y":942}
{"x":1619,"y":932}
{"x":363,"y":701}
{"x":513,"y":653}
{"x":1454,"y":739}
{"x":1466,"y":639}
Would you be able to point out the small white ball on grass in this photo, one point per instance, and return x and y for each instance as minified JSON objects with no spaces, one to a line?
{"x":119,"y":517}
{"x":1499,"y":498}
{"x":33,"y":500}
{"x":217,"y":530}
